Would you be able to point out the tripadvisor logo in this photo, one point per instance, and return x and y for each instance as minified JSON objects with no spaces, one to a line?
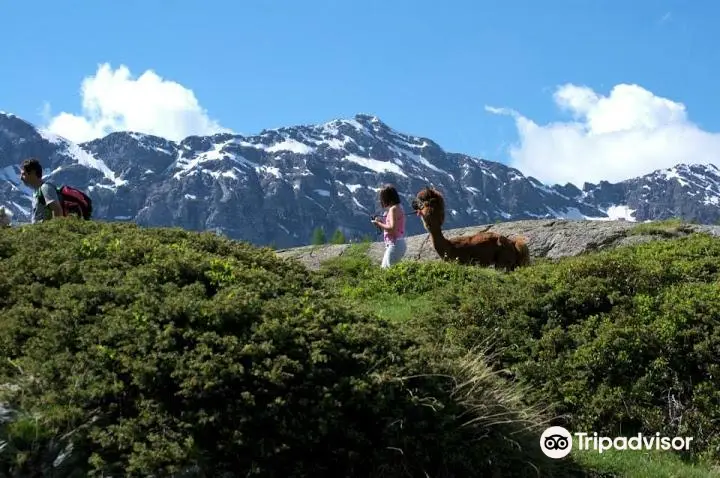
{"x":557,"y":442}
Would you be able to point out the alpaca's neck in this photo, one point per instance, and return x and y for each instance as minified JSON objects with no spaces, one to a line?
{"x":441,"y":245}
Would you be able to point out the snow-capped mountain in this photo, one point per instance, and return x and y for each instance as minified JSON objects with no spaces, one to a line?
{"x":278,"y":186}
{"x":689,"y":191}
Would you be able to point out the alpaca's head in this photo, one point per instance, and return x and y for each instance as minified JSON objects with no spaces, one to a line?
{"x":430,"y":206}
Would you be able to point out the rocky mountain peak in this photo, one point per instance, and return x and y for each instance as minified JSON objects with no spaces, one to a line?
{"x":277,"y":186}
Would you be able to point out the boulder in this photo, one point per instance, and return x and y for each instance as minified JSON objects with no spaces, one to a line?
{"x":547,"y":238}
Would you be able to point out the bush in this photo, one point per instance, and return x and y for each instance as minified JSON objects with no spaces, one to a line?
{"x":672,"y":227}
{"x":168,"y":353}
{"x":352,"y":265}
{"x":619,"y":342}
{"x":365,"y":279}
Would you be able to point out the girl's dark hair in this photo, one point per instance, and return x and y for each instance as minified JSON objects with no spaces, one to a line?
{"x":389,"y":196}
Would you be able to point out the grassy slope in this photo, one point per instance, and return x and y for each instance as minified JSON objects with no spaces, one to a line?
{"x":152,"y":352}
{"x":639,"y":464}
{"x":363,"y":282}
{"x":413,"y":294}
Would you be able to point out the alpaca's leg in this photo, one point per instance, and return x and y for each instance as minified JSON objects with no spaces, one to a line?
{"x":504,"y":259}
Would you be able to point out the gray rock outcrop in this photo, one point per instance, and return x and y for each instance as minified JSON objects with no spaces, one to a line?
{"x":547,"y":238}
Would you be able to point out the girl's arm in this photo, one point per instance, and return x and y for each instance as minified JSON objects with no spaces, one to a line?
{"x":390,"y":225}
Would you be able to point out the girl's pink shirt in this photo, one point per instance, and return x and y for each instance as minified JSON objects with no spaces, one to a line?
{"x":388,"y":236}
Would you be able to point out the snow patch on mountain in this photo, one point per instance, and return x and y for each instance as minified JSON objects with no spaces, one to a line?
{"x":218,"y":152}
{"x":416,"y":158}
{"x":270,"y":170}
{"x":87,"y":159}
{"x":616,"y":213}
{"x":376,"y":165}
{"x":52,"y":137}
{"x":291,"y":145}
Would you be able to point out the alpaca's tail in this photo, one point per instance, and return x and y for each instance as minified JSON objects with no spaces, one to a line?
{"x":523,"y":253}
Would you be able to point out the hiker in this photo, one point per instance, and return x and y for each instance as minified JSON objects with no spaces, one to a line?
{"x":50,"y":201}
{"x":46,"y":203}
{"x":392,"y":225}
{"x":4,"y":218}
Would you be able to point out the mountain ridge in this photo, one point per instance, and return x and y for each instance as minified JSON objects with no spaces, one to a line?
{"x":277,"y":186}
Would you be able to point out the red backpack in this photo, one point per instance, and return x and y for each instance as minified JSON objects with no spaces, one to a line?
{"x":73,"y":201}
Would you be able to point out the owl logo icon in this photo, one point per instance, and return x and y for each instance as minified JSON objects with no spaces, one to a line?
{"x":556,"y":442}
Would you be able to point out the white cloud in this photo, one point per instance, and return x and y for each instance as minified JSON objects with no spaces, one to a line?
{"x":112,"y":100}
{"x":628,"y":133}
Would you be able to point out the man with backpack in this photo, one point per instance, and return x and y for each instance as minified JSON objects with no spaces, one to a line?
{"x":4,"y":218}
{"x":50,"y":201}
{"x":46,"y":203}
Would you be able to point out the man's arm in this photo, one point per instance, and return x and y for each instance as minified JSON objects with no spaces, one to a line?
{"x":51,"y":200}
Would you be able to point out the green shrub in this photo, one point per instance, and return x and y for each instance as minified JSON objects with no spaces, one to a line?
{"x":350,"y":266}
{"x":619,"y":342}
{"x":362,"y":278}
{"x":168,"y":353}
{"x":672,"y":227}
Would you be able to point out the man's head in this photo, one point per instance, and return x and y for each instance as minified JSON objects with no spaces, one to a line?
{"x":31,"y":172}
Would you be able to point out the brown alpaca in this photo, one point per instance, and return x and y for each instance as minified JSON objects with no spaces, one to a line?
{"x":482,"y":249}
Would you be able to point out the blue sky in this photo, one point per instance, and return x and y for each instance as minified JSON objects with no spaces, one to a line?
{"x":424,"y":67}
